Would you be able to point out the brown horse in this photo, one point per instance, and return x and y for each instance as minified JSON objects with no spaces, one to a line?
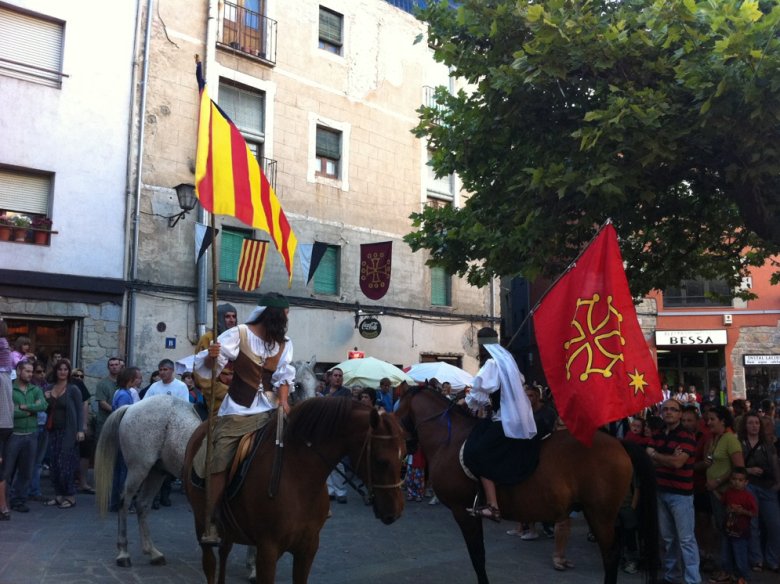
{"x":570,"y":476}
{"x":320,"y":432}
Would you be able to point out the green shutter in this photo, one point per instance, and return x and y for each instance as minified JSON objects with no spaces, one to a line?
{"x":326,"y":278}
{"x":441,"y":287}
{"x":230,"y":253}
{"x":330,"y":26}
{"x":328,"y":144}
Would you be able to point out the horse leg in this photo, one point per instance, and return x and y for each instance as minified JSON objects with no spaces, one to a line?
{"x":149,"y":489}
{"x":224,"y":552}
{"x":303,"y":558}
{"x":471,"y":528}
{"x":265,"y":563}
{"x":603,"y":528}
{"x":251,"y":563}
{"x":208,"y":563}
{"x":132,"y":483}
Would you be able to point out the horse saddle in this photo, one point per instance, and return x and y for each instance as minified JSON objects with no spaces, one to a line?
{"x":506,"y":461}
{"x":245,"y":453}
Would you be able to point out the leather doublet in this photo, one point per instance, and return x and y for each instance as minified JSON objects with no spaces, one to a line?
{"x":251,"y":372}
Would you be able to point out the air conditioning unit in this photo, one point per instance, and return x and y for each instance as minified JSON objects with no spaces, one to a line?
{"x":727,"y":319}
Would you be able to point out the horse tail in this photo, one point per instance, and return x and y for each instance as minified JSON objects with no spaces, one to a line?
{"x":105,"y":459}
{"x":644,"y":475}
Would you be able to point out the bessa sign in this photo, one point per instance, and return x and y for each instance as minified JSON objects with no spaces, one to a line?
{"x":369,"y":328}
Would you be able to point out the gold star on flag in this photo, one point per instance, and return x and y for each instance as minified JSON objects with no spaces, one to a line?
{"x":637,"y":381}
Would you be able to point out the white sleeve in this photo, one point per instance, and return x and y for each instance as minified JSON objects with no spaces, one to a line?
{"x":229,"y":345}
{"x":285,"y":372}
{"x":485,"y":383}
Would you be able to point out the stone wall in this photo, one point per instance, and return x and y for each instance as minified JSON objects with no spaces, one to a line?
{"x":754,"y":340}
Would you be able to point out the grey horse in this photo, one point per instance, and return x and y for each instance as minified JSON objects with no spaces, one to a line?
{"x":153,"y":435}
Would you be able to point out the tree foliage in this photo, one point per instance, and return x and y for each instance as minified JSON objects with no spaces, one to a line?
{"x":661,"y":115}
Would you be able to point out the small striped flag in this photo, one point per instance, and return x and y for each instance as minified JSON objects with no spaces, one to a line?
{"x":251,"y":264}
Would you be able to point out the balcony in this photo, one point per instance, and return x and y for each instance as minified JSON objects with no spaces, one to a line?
{"x":248,"y":32}
{"x":269,"y":170}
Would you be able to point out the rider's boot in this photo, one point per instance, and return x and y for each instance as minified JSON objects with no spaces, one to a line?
{"x":210,"y":535}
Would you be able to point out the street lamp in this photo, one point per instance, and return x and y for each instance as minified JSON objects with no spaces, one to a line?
{"x":187,"y":201}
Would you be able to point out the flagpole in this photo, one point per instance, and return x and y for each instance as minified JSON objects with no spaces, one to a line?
{"x":570,"y":267}
{"x":209,"y":508}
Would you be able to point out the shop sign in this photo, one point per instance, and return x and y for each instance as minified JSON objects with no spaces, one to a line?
{"x":762,"y":359}
{"x":369,"y":328}
{"x":690,"y":338}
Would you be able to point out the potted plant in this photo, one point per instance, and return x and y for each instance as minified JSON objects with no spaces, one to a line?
{"x":21,"y":225}
{"x":41,"y":230}
{"x":6,"y":227}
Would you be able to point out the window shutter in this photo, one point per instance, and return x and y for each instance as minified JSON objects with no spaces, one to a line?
{"x":441,"y":286}
{"x":330,"y":27}
{"x":230,"y":253}
{"x":25,"y":193}
{"x":326,"y":278}
{"x":36,"y":42}
{"x":245,"y":108}
{"x":328,"y":144}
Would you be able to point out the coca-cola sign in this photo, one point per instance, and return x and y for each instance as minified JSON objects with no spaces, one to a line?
{"x":369,"y":328}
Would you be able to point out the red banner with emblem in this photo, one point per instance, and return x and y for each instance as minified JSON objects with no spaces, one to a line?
{"x":375,"y":263}
{"x":593,"y":352}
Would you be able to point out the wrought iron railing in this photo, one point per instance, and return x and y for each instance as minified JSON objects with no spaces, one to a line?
{"x":249,"y":32}
{"x":269,"y":169}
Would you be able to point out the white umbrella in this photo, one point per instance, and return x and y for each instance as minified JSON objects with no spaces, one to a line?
{"x":442,"y":372}
{"x":368,"y":371}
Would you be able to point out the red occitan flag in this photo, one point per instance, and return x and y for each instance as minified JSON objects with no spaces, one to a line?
{"x":229,"y":180}
{"x":251,"y":264}
{"x":593,"y":352}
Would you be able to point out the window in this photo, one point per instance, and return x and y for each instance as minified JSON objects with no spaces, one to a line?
{"x":230,"y":252}
{"x":326,"y":278}
{"x":328,"y":152}
{"x":441,"y":287}
{"x":246,"y":107}
{"x":698,"y":293}
{"x":31,"y":47}
{"x":25,"y":192}
{"x":442,"y":188}
{"x":331,"y":29}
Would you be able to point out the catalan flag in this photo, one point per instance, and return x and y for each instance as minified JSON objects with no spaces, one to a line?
{"x":251,"y":264}
{"x":229,"y":180}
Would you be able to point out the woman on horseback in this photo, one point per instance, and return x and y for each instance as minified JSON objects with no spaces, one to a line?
{"x":500,"y":445}
{"x":261,"y":354}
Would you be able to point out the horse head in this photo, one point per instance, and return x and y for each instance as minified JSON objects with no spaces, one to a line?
{"x":305,"y":380}
{"x":379,"y":464}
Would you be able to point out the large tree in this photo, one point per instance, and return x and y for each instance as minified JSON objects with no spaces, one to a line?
{"x":663,"y":116}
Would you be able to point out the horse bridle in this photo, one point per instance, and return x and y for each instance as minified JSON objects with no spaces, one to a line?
{"x":366,"y":448}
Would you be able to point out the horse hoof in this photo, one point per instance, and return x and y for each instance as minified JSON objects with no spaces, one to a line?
{"x":123,"y":562}
{"x":158,"y":561}
{"x":252,"y":580}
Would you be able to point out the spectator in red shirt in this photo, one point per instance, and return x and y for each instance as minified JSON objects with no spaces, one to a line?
{"x":741,"y":507}
{"x":672,"y":450}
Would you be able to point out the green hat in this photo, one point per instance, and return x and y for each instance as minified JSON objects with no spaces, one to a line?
{"x":273,"y":300}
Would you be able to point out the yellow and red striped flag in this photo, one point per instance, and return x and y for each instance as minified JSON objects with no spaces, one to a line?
{"x":251,"y":264}
{"x":229,"y":180}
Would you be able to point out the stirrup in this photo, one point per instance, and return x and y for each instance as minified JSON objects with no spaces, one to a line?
{"x":211,"y":537}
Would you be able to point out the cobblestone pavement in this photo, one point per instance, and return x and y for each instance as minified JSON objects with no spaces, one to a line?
{"x":76,"y":546}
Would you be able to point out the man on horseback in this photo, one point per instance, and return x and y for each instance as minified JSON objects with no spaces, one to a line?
{"x":263,"y":377}
{"x":498,"y":446}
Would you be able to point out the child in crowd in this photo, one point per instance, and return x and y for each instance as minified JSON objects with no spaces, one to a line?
{"x":636,"y":432}
{"x":415,"y":474}
{"x":741,"y":507}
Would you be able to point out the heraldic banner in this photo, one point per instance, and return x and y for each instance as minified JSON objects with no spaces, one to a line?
{"x":593,"y":352}
{"x":375,"y":268}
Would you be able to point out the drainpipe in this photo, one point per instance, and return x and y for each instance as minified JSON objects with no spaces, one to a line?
{"x":133,"y":276}
{"x":202,"y":268}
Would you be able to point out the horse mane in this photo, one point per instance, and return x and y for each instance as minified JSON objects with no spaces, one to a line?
{"x":319,"y":418}
{"x":451,"y":404}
